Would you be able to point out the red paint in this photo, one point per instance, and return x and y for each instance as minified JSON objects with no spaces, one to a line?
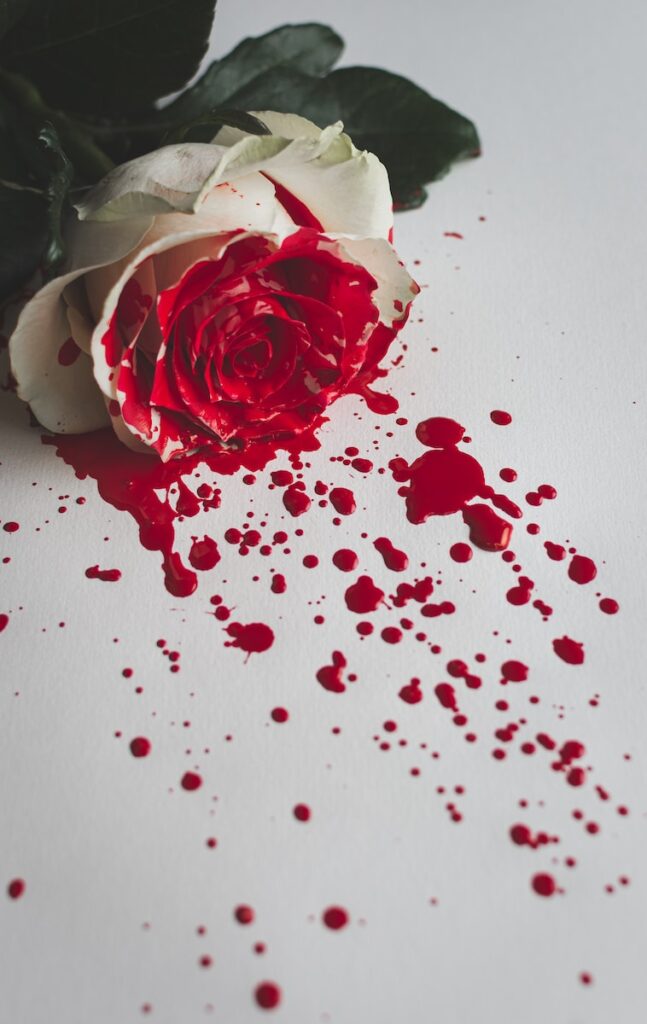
{"x":4,"y":621}
{"x":544,"y":884}
{"x":391,"y":635}
{"x":582,"y":569}
{"x":487,"y":530}
{"x":343,"y":501}
{"x":345,"y":560}
{"x":508,"y":475}
{"x":501,"y":418}
{"x":363,"y":596}
{"x":570,"y":651}
{"x":11,"y":527}
{"x":514,"y":671}
{"x":439,"y":432}
{"x":278,"y":584}
{"x":280,"y":715}
{"x":244,"y":914}
{"x":411,"y":693}
{"x":106,"y":575}
{"x":140,"y":747}
{"x":521,"y":593}
{"x":446,"y":694}
{"x":607,"y":605}
{"x":131,"y":482}
{"x":254,"y":638}
{"x":460,"y":552}
{"x":16,"y":888}
{"x":204,"y":554}
{"x":281,"y":477}
{"x":267,"y":995}
{"x":296,"y":500}
{"x":302,"y":812}
{"x":69,"y":352}
{"x":395,"y":560}
{"x":335,"y":918}
{"x":191,"y":781}
{"x":331,"y":676}
{"x":555,"y":551}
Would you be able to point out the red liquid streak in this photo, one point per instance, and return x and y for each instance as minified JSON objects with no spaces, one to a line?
{"x":129,"y":481}
{"x":394,"y":559}
{"x":106,"y":575}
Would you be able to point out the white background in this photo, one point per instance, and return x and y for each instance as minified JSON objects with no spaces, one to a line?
{"x":545,"y":317}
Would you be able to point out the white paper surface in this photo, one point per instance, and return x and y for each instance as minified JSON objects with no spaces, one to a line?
{"x":539,"y":310}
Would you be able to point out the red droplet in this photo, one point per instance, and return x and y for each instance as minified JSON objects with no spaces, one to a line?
{"x":394,"y":559}
{"x":16,"y":888}
{"x":106,"y":575}
{"x":439,"y":432}
{"x":330,"y":676}
{"x":501,"y":418}
{"x":278,"y":584}
{"x":140,"y":747}
{"x":280,"y":715}
{"x":460,"y":552}
{"x":582,"y":569}
{"x":345,"y":560}
{"x":343,"y":501}
{"x":487,"y":530}
{"x":335,"y":918}
{"x":514,"y":671}
{"x":254,"y":638}
{"x":11,"y":527}
{"x":204,"y":554}
{"x":244,"y":914}
{"x":302,"y":812}
{"x":544,"y":884}
{"x":570,"y":651}
{"x":609,"y":606}
{"x":191,"y":781}
{"x":267,"y":995}
{"x":296,"y":500}
{"x":363,"y":596}
{"x":555,"y":551}
{"x":69,"y":352}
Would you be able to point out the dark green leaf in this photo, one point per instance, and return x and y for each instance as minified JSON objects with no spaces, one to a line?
{"x":89,"y":55}
{"x":23,"y":229}
{"x":415,"y":135}
{"x":58,"y":188}
{"x":309,"y":48}
{"x":10,"y":12}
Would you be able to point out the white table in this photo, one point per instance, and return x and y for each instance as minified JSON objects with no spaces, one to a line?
{"x":540,"y":309}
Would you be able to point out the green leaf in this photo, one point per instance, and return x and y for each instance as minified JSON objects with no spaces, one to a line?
{"x":98,"y":57}
{"x":58,"y":188}
{"x":310,"y":48}
{"x":416,"y":136}
{"x":10,"y":12}
{"x":23,"y":229}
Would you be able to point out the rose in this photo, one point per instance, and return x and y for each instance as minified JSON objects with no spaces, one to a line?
{"x":218,"y":293}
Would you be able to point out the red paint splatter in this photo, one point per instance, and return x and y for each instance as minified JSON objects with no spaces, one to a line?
{"x":582,"y":569}
{"x":363,"y":596}
{"x":460,"y":552}
{"x":267,"y":995}
{"x":501,"y":418}
{"x":302,"y":812}
{"x":16,"y":888}
{"x":140,"y":746}
{"x":570,"y":651}
{"x":395,"y":560}
{"x":345,"y":560}
{"x":254,"y":638}
{"x":106,"y":575}
{"x":244,"y":914}
{"x":335,"y":918}
{"x":544,"y":884}
{"x":331,"y":676}
{"x":191,"y":781}
{"x":204,"y":554}
{"x":343,"y":501}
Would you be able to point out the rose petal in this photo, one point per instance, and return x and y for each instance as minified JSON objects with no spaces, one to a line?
{"x":63,"y":398}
